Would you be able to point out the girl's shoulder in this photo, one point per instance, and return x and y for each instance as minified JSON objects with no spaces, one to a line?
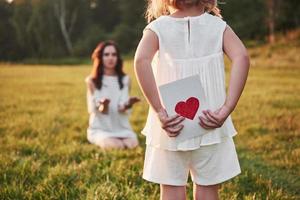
{"x":205,"y":16}
{"x":165,"y":21}
{"x":156,"y":24}
{"x":214,"y":21}
{"x":158,"y":20}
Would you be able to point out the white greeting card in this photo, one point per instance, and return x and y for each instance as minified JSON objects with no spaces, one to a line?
{"x":185,"y":97}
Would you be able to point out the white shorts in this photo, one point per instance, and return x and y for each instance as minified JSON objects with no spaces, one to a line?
{"x":209,"y":165}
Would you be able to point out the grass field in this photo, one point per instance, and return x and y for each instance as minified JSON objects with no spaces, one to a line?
{"x":45,"y":154}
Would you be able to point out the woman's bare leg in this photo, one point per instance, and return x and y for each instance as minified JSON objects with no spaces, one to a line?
{"x":111,"y":143}
{"x":130,"y":143}
{"x":206,"y":192}
{"x":169,"y":192}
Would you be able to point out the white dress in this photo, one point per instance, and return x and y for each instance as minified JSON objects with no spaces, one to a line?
{"x":113,"y":124}
{"x":189,"y":46}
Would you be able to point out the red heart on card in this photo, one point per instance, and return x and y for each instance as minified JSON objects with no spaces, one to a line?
{"x":189,"y":108}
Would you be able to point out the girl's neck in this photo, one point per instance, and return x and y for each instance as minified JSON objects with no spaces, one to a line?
{"x":109,"y":72}
{"x":191,"y":11}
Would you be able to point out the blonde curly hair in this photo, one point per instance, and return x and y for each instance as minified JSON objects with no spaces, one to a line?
{"x":157,"y":8}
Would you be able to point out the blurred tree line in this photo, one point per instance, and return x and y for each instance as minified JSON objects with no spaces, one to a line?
{"x":62,"y":28}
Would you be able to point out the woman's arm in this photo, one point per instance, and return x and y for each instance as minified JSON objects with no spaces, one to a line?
{"x":90,"y":85}
{"x":124,"y":101}
{"x":91,"y":105}
{"x":95,"y":101}
{"x":124,"y":96}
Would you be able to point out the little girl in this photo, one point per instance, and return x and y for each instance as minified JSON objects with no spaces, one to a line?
{"x":108,"y":100}
{"x":184,"y":40}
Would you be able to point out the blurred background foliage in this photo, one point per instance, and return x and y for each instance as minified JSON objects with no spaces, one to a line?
{"x":47,"y":29}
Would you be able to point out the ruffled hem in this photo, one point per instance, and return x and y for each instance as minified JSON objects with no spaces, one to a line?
{"x":190,"y":144}
{"x":105,"y":134}
{"x":212,"y":75}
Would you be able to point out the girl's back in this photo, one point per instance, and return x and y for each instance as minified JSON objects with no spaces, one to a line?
{"x":190,"y":46}
{"x":189,"y":37}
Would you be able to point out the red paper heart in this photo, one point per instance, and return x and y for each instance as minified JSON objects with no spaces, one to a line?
{"x":189,"y":108}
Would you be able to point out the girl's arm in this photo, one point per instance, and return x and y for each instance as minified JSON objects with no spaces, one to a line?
{"x":237,"y":53}
{"x":145,"y":52}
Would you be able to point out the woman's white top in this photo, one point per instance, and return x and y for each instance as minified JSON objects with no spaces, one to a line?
{"x":189,"y":46}
{"x":113,"y":124}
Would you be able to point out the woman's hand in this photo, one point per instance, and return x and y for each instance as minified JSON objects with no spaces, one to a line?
{"x":103,"y":105}
{"x":129,"y":104}
{"x":215,"y":119}
{"x":170,"y":124}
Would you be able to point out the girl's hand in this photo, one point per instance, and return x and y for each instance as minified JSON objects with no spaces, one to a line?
{"x":170,"y":124}
{"x":214,"y":119}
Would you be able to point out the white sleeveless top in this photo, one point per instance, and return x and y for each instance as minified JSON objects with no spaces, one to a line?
{"x":189,"y":46}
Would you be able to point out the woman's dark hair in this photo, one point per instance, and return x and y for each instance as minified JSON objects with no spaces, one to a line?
{"x":98,"y":67}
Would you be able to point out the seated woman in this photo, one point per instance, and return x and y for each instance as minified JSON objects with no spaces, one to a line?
{"x":109,"y":104}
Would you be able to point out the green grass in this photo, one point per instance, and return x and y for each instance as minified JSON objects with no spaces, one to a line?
{"x":45,"y":154}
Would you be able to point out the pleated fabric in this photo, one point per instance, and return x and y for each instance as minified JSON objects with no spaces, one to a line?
{"x":196,"y":50}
